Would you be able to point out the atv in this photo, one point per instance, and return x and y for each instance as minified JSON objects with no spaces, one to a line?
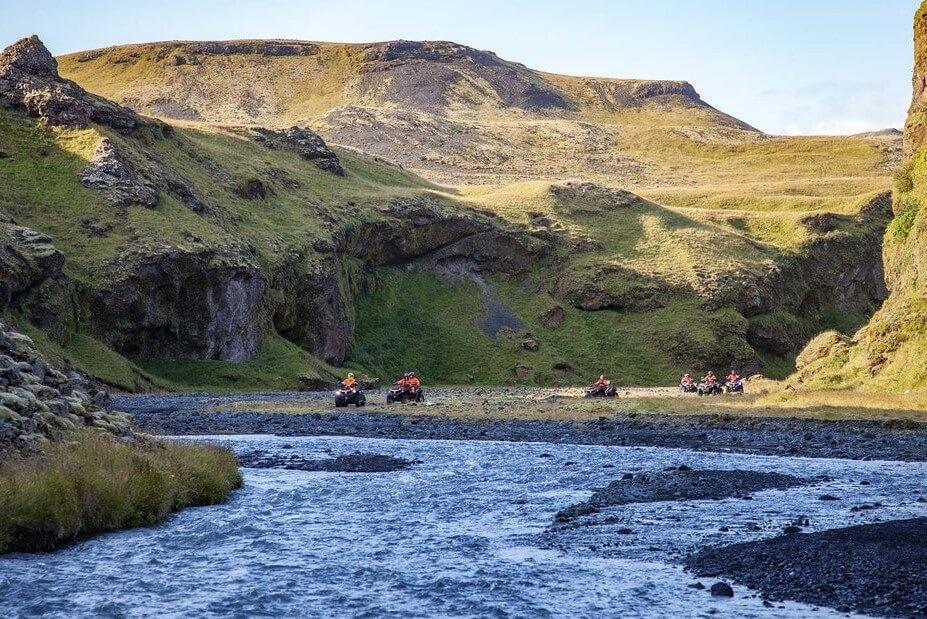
{"x":355,"y":396}
{"x":734,"y":386}
{"x":604,"y":391}
{"x":688,"y":387}
{"x":710,"y":388}
{"x":405,"y":394}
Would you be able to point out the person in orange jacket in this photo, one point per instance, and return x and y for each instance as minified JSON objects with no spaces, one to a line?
{"x":350,"y":382}
{"x":413,"y":381}
{"x":602,"y":382}
{"x":710,"y":377}
{"x":733,"y":377}
{"x":686,"y":380}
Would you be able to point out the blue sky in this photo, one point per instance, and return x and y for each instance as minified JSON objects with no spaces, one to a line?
{"x":785,"y":66}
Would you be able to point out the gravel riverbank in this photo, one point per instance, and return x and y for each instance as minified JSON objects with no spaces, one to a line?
{"x":878,"y":569}
{"x":184,"y":414}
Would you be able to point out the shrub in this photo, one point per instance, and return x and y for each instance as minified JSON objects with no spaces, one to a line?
{"x":97,"y":484}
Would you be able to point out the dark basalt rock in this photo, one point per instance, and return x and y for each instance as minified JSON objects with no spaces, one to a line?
{"x":882,"y":567}
{"x":357,"y":462}
{"x":173,"y":302}
{"x":680,"y":484}
{"x":722,"y":589}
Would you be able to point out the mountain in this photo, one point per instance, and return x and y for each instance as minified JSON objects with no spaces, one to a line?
{"x":164,"y":253}
{"x":890,"y":353}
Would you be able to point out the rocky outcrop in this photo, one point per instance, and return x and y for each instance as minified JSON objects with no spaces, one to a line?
{"x":39,"y":402}
{"x":29,"y":81}
{"x":611,"y":287}
{"x":423,"y":228}
{"x":314,"y":310}
{"x":27,"y":260}
{"x":174,"y":302}
{"x":423,"y":75}
{"x":110,"y":173}
{"x":305,"y":142}
{"x":32,"y":280}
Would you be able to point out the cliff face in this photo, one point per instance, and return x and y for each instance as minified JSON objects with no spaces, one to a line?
{"x":890,"y":353}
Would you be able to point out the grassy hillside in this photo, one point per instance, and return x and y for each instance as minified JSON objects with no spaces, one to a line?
{"x":462,"y":116}
{"x":404,"y":319}
{"x":253,"y":265}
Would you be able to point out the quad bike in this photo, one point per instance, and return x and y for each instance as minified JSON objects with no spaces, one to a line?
{"x":688,"y":387}
{"x":734,"y":386}
{"x":710,"y":388}
{"x":405,"y":394}
{"x":603,"y":391}
{"x":344,"y":397}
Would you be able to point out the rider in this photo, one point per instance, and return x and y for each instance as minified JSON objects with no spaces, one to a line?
{"x":350,"y":382}
{"x":710,"y":377}
{"x":733,"y":377}
{"x":413,"y":382}
{"x":686,"y":380}
{"x":602,"y":382}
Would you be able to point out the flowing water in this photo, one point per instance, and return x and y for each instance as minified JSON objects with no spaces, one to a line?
{"x":464,"y":533}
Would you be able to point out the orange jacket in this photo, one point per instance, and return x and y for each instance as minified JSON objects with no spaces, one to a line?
{"x":733,"y":377}
{"x":349,"y":382}
{"x":414,"y":382}
{"x":602,"y":383}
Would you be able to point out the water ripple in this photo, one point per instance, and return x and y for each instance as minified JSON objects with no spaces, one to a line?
{"x":466,"y":533}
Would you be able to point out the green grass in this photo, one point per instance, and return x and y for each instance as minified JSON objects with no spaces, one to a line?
{"x":97,"y":484}
{"x":276,"y":367}
{"x":90,"y":355}
{"x":419,"y":322}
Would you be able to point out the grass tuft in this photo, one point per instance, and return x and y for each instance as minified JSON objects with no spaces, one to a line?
{"x":97,"y":484}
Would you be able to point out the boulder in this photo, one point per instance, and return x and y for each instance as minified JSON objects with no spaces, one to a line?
{"x":530,"y":344}
{"x":722,"y":589}
{"x":553,"y":318}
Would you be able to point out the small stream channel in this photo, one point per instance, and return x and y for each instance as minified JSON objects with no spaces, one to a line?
{"x":464,"y":533}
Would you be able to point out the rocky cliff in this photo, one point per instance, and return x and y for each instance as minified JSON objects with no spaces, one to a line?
{"x":889,"y":352}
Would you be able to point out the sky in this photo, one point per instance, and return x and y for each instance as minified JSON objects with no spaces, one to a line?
{"x":783,"y":66}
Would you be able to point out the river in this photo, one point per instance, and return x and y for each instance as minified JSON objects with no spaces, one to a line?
{"x":466,"y":532}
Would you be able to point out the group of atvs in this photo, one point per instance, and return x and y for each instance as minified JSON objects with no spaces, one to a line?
{"x":710,"y":385}
{"x":406,"y":389}
{"x":409,"y":388}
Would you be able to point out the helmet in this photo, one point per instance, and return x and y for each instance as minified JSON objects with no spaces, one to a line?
{"x":350,"y":374}
{"x":685,"y":376}
{"x":602,"y":377}
{"x":407,"y":375}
